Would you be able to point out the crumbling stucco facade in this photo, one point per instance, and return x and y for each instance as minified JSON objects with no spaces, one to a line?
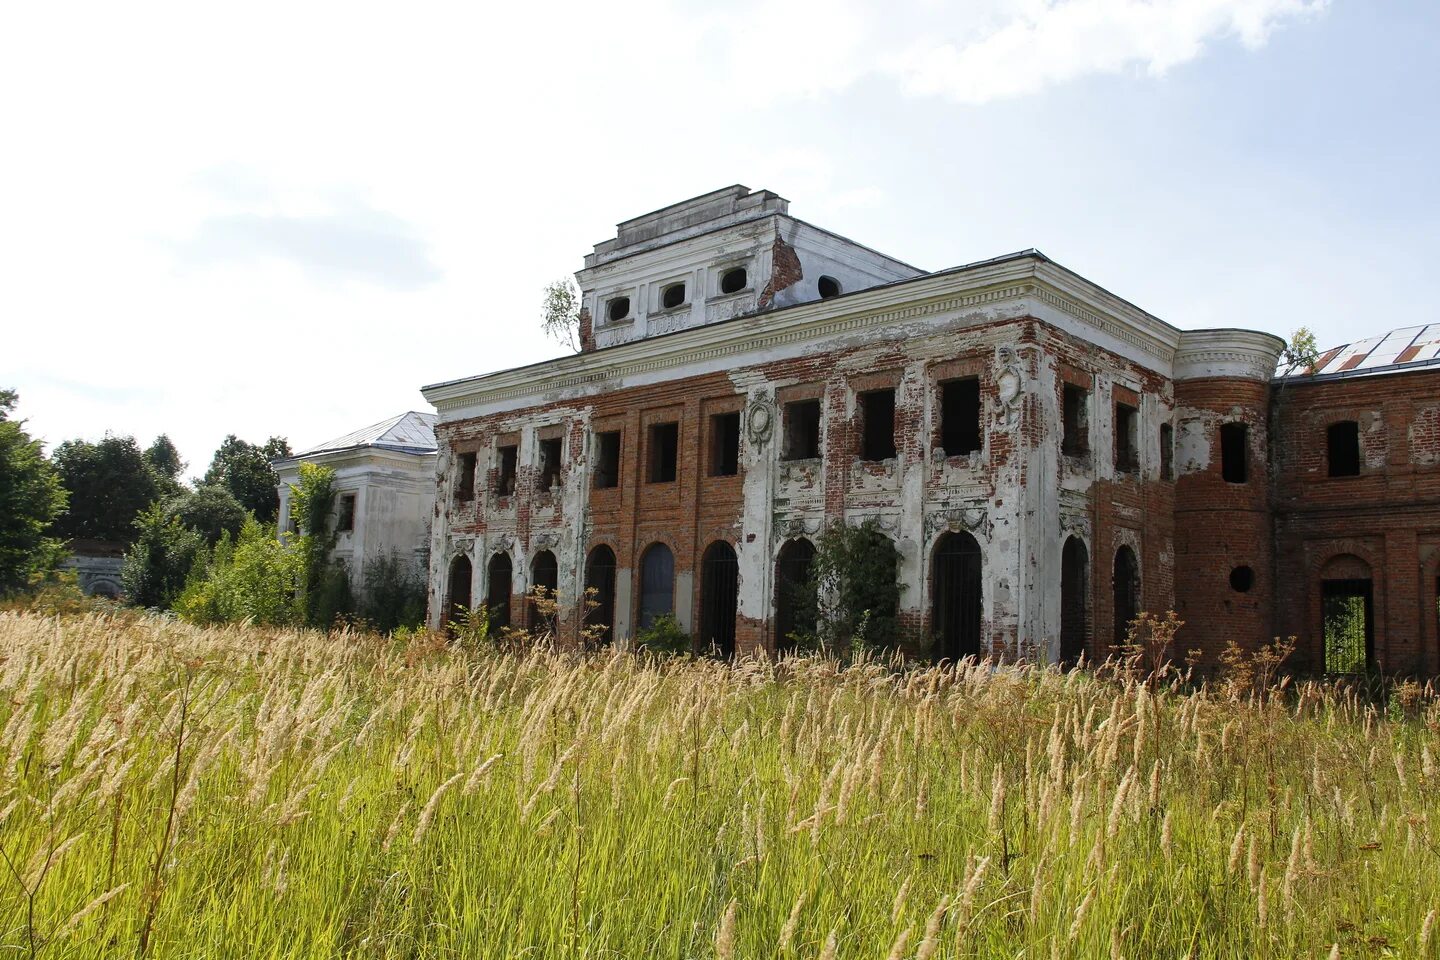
{"x":1045,"y":456}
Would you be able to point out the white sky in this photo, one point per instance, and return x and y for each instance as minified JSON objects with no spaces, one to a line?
{"x":284,"y":218}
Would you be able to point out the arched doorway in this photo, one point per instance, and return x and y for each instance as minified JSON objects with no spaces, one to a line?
{"x":955,"y":596}
{"x":1074,"y":600}
{"x":545,"y":574}
{"x":600,"y":577}
{"x":719,"y":597}
{"x":458,"y":594}
{"x":1347,"y":598}
{"x":1127,"y":592}
{"x":657,"y":584}
{"x":795,"y":611}
{"x":499,"y":583}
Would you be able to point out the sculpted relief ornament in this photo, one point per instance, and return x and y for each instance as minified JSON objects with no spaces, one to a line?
{"x":760,"y":421}
{"x":1009,"y":383}
{"x":957,"y":519}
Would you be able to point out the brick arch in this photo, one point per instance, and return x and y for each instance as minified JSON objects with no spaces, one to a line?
{"x":1430,"y":614}
{"x":637,"y":573}
{"x":1342,"y":554}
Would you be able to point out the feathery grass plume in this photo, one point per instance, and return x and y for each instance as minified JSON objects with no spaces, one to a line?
{"x":1335,"y":951}
{"x":832,"y":947}
{"x":725,"y":934}
{"x":965,"y":909}
{"x":997,"y":800}
{"x":473,"y":782}
{"x":1237,"y":850}
{"x":1427,"y":931}
{"x":1262,"y":903}
{"x":792,"y":923}
{"x":897,"y":906}
{"x":930,"y":940}
{"x":1080,"y":913}
{"x":78,"y":917}
{"x":897,"y":949}
{"x":428,"y":814}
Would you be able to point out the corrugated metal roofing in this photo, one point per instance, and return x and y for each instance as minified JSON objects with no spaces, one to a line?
{"x":1403,"y":349}
{"x":411,"y":432}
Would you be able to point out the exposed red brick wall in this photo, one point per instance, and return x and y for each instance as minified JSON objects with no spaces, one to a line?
{"x":785,"y":271}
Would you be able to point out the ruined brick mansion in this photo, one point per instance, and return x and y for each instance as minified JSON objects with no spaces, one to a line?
{"x":1048,"y":458}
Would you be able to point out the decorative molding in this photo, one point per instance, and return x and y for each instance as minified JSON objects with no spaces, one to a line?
{"x":760,"y":420}
{"x":974,"y":520}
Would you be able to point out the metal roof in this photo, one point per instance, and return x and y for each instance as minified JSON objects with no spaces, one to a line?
{"x":1409,"y":348}
{"x":411,"y":432}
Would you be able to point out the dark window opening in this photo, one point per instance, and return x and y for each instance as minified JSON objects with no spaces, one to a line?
{"x":600,"y":596}
{"x":617,"y":309}
{"x":1242,"y":579}
{"x":544,"y":582}
{"x":828,"y":287}
{"x":725,"y":444}
{"x":877,"y":411}
{"x":657,"y":584}
{"x":796,"y":607}
{"x":549,"y":463}
{"x":506,"y":480}
{"x":607,"y":460}
{"x":1076,"y":439}
{"x":955,"y":604}
{"x":465,"y":478}
{"x":345,"y":522}
{"x":457,"y":598}
{"x":1127,"y":457}
{"x":664,"y":447}
{"x":1074,"y":601}
{"x":733,"y":281}
{"x":1233,"y":441}
{"x":1342,"y":442}
{"x":497,"y":590}
{"x":1126,"y":592}
{"x":802,"y":430}
{"x":1349,"y":621}
{"x":1167,"y":452}
{"x":673,"y":296}
{"x":719,"y":599}
{"x":960,"y":416}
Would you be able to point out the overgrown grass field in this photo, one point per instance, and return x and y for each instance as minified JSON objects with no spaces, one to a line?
{"x":173,"y":791}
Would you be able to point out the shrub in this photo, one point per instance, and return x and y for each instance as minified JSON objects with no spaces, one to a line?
{"x":394,"y":593}
{"x":256,"y":578}
{"x":664,"y":636}
{"x":157,"y":567}
{"x":854,"y":578}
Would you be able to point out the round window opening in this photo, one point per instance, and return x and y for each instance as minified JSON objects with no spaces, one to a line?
{"x":828,"y":287}
{"x":618,"y":309}
{"x":673,"y":296}
{"x":733,"y":281}
{"x":1242,"y":579}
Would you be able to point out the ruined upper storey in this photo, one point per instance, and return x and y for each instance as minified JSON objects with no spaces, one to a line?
{"x":721,"y":255}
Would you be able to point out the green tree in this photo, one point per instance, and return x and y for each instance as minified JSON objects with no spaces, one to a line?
{"x":244,"y":468}
{"x":325,"y":585}
{"x":31,"y":497}
{"x":164,"y":458}
{"x":1301,"y":352}
{"x":257,"y":577}
{"x":561,"y":313}
{"x":855,"y":578}
{"x":159,"y":562}
{"x":110,"y":483}
{"x":210,"y":510}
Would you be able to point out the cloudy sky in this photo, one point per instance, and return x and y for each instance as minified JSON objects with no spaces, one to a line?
{"x":284,"y":218}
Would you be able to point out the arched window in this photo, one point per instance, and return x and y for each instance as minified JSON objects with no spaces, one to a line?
{"x":719,"y":597}
{"x":600,"y":577}
{"x":545,"y":573}
{"x":795,"y":611}
{"x":1074,"y":600}
{"x":499,"y":583}
{"x":458,"y":594}
{"x":657,"y":584}
{"x":1127,"y":592}
{"x":955,"y":596}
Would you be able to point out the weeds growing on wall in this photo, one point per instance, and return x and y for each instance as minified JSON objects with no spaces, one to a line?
{"x":855,"y":586}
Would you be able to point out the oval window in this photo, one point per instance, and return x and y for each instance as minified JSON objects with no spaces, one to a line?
{"x":673,"y":296}
{"x":617,"y":309}
{"x":828,"y":287}
{"x":733,"y":281}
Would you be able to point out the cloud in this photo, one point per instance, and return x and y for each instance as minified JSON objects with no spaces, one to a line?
{"x":1048,"y":42}
{"x":352,"y":242}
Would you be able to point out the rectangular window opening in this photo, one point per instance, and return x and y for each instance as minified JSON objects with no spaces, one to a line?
{"x":1076,"y":439}
{"x":346,"y":520}
{"x":607,"y":460}
{"x":960,"y":416}
{"x":1234,"y":440}
{"x":664,"y":450}
{"x":1167,"y":452}
{"x":1342,"y":441}
{"x":802,"y":430}
{"x":465,"y":478}
{"x":1127,"y":457}
{"x":505,"y":481}
{"x":725,"y":444}
{"x":877,"y":411}
{"x":550,"y":453}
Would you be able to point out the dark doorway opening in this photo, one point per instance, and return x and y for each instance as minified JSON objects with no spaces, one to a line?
{"x":719,"y":597}
{"x":1127,"y":592}
{"x":458,"y":597}
{"x":600,"y":577}
{"x":499,"y":579}
{"x":1074,"y":601}
{"x":544,"y":574}
{"x":1349,"y":616}
{"x":795,"y":611}
{"x":955,"y":603}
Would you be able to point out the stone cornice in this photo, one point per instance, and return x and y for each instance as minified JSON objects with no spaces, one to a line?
{"x":983,"y":285}
{"x":1243,"y":354}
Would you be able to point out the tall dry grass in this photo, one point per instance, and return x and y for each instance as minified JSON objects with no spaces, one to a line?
{"x":186,"y":792}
